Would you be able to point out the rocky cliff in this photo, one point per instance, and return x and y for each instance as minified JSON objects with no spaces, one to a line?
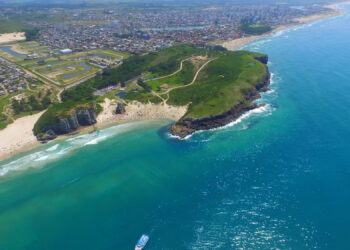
{"x":188,"y":126}
{"x":69,"y":124}
{"x":263,"y":59}
{"x":120,"y":109}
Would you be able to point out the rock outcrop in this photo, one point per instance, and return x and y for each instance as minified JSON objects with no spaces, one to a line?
{"x":120,"y":109}
{"x":188,"y":126}
{"x":67,"y":125}
{"x":263,"y":59}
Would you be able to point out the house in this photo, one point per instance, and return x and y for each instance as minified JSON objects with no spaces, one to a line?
{"x":66,"y":51}
{"x":164,"y":86}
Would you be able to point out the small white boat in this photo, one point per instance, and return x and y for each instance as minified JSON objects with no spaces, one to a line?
{"x":142,"y":242}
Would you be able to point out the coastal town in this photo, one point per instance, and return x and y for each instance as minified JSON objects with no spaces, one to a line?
{"x":139,"y":32}
{"x":13,"y":79}
{"x":174,"y":124}
{"x":72,"y":46}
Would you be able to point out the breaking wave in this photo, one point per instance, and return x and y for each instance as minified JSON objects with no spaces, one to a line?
{"x":61,"y":148}
{"x":265,"y":108}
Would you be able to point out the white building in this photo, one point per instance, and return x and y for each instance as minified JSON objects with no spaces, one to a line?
{"x":66,"y":51}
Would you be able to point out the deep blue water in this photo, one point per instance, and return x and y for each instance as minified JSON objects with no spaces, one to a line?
{"x":276,"y":178}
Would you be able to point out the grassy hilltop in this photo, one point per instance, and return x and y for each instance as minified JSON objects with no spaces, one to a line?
{"x":209,"y":81}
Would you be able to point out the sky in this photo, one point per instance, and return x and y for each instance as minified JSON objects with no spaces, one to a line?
{"x":164,"y":1}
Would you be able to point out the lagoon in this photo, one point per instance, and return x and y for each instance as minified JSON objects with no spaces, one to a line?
{"x":8,"y":50}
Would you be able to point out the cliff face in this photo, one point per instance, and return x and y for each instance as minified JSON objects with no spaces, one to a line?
{"x":81,"y":117}
{"x":188,"y":126}
{"x":120,"y":109}
{"x":263,"y":59}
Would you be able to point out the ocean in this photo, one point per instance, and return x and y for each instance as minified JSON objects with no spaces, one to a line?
{"x":277,"y":178}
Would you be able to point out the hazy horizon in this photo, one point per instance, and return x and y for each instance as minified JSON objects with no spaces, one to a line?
{"x":301,"y":2}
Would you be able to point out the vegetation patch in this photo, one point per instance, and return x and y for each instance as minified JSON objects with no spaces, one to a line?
{"x":211,"y":85}
{"x":254,"y":29}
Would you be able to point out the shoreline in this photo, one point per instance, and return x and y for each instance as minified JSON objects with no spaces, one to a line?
{"x":238,"y":43}
{"x":19,"y":137}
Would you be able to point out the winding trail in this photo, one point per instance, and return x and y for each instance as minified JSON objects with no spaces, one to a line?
{"x":5,"y":89}
{"x":194,"y":78}
{"x":177,"y":71}
{"x":191,"y":83}
{"x":74,"y":84}
{"x":174,"y":73}
{"x":177,"y":87}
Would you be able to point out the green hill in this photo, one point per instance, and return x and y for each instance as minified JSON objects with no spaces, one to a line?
{"x":210,"y":81}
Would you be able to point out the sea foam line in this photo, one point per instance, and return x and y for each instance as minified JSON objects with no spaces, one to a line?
{"x":259,"y":110}
{"x":59,"y":149}
{"x":265,"y":108}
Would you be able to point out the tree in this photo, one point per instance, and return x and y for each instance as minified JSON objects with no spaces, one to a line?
{"x":31,"y":33}
{"x":16,"y":106}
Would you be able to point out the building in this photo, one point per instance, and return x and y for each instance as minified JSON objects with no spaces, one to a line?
{"x":66,"y":51}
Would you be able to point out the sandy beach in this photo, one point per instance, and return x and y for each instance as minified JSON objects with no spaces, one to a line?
{"x":18,"y":136}
{"x":136,"y":111}
{"x":12,"y":37}
{"x":237,"y":44}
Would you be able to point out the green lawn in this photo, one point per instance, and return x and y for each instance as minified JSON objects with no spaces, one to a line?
{"x":184,"y":77}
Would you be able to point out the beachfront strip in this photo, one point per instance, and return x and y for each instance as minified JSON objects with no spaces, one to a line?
{"x":88,"y":42}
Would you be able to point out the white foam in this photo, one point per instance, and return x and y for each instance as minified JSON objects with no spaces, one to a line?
{"x":248,"y":114}
{"x":266,"y":109}
{"x":96,"y":140}
{"x":42,"y":158}
{"x":259,"y":110}
{"x":53,"y":148}
{"x":64,"y":147}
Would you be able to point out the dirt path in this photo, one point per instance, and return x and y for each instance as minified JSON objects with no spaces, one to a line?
{"x":194,"y":78}
{"x":193,"y":81}
{"x":177,"y":71}
{"x":2,"y":86}
{"x":156,"y":94}
{"x":75,"y":84}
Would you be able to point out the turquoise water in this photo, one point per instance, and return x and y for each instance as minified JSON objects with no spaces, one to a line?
{"x":276,"y":178}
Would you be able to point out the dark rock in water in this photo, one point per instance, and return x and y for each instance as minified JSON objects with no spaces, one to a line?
{"x":188,"y":126}
{"x":80,"y":117}
{"x":120,"y":109}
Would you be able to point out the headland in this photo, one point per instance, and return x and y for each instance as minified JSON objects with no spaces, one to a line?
{"x":156,"y":96}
